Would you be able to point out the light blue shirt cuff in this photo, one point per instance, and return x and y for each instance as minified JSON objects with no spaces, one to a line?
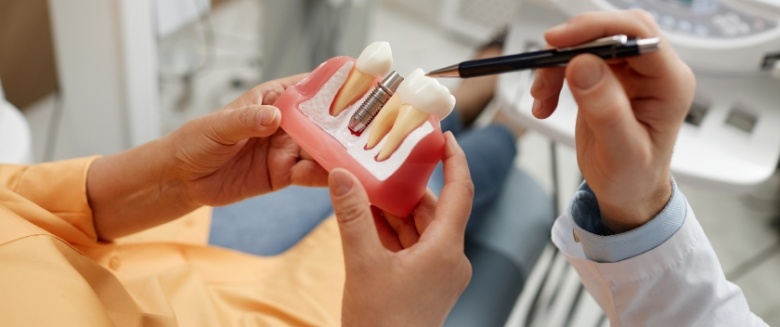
{"x":600,"y":245}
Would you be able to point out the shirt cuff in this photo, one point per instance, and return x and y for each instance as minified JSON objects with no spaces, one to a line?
{"x":600,"y":245}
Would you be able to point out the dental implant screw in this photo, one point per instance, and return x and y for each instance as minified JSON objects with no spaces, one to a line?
{"x":374,"y":102}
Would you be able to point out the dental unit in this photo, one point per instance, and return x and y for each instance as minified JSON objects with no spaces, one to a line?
{"x":332,"y":115}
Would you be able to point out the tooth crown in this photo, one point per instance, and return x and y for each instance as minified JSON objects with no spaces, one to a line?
{"x":376,"y":59}
{"x":426,"y":94}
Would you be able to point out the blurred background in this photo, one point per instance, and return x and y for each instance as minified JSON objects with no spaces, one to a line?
{"x":83,"y":77}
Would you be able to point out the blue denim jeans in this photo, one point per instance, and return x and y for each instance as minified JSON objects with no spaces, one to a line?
{"x":270,"y":224}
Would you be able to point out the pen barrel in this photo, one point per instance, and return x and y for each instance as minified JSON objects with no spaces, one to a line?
{"x":543,"y":59}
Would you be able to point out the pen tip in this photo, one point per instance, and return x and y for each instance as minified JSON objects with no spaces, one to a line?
{"x":449,"y":71}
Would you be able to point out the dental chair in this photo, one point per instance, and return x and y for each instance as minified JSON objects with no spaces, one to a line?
{"x":15,"y":138}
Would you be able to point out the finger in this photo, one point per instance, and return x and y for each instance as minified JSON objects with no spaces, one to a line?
{"x":405,"y":228}
{"x":425,"y":212}
{"x":546,"y":90}
{"x":229,"y":127}
{"x":266,"y":93}
{"x":353,"y":213}
{"x":309,"y":173}
{"x":634,"y":23}
{"x":603,"y":105}
{"x":454,"y":205}
{"x":275,"y":88}
{"x":387,"y":235}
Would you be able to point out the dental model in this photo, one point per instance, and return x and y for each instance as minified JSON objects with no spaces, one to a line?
{"x":412,"y":133}
{"x":374,"y":63}
{"x":417,"y":98}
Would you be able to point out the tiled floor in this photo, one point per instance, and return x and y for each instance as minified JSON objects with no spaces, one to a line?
{"x":739,"y":227}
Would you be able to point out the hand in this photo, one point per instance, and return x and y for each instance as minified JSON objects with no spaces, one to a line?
{"x":630,"y":111}
{"x":229,"y":155}
{"x":404,"y":271}
{"x":239,"y":151}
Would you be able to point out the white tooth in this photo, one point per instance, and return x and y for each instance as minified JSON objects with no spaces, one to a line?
{"x":374,"y":62}
{"x":409,"y":118}
{"x":383,"y":121}
{"x":376,"y":59}
{"x":426,"y":94}
{"x":420,"y":96}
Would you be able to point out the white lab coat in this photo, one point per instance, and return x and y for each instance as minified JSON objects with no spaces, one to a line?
{"x":679,"y":283}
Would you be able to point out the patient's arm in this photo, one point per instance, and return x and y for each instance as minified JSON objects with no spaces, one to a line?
{"x":232,"y":154}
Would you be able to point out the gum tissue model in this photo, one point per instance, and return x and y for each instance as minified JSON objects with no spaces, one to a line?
{"x":332,"y":114}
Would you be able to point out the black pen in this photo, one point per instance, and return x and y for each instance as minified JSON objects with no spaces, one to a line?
{"x":611,"y":47}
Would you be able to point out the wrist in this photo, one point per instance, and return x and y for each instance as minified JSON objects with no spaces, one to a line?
{"x":628,"y":215}
{"x":134,"y":190}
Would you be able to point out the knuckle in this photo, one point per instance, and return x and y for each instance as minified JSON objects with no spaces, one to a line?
{"x":467,"y":271}
{"x":349,"y":211}
{"x":246,"y":117}
{"x":468,"y":188}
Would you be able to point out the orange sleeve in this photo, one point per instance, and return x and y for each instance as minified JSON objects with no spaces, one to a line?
{"x":59,"y":189}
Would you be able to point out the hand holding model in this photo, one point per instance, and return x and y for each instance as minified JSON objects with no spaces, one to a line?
{"x":630,"y":111}
{"x":224,"y":157}
{"x":404,"y":271}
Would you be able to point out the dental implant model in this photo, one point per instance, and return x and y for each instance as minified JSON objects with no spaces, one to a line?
{"x":374,"y":63}
{"x":374,"y":102}
{"x":329,"y":114}
{"x":418,"y":97}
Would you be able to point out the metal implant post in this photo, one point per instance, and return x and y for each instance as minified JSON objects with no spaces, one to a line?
{"x":374,"y":102}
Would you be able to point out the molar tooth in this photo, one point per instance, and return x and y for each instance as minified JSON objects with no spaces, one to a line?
{"x":374,"y":62}
{"x":426,"y":94}
{"x":420,"y":96}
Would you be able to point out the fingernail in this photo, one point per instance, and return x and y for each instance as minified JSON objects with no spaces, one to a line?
{"x":536,"y":106}
{"x":557,"y":28}
{"x":588,"y":74}
{"x":341,"y":183}
{"x":268,"y":115}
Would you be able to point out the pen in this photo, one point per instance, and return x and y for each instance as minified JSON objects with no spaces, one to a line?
{"x":617,"y":46}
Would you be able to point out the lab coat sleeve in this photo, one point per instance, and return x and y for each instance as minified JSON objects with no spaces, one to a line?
{"x":678,"y":283}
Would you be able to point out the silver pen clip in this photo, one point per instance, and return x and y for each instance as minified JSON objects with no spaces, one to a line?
{"x":609,"y":40}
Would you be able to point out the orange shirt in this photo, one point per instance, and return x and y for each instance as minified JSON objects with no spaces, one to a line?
{"x":54,"y":272}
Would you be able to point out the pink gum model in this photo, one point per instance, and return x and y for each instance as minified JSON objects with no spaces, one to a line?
{"x":395,"y":185}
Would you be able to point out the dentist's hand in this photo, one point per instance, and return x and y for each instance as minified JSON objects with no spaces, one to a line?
{"x":630,"y":111}
{"x":404,"y":271}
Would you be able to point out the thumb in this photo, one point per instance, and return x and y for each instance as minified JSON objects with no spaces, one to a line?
{"x":353,"y":212}
{"x":602,"y":102}
{"x":233,"y":126}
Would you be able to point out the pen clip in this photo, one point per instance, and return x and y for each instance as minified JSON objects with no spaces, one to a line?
{"x":609,"y":40}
